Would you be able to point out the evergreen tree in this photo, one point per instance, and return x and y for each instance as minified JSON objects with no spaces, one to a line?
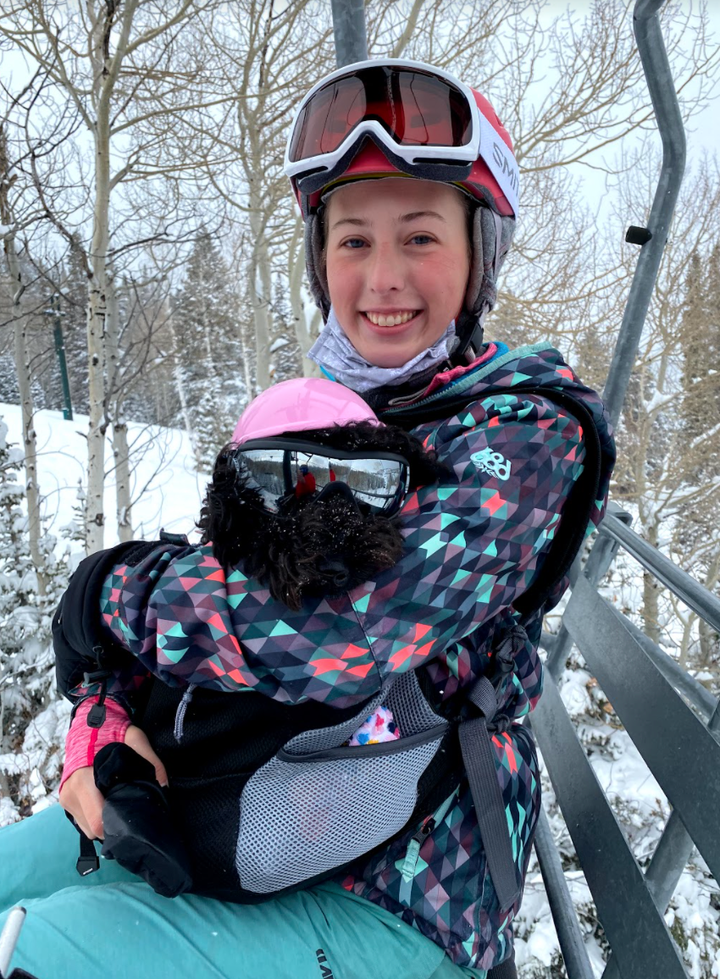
{"x":26,"y":659}
{"x":210,"y":358}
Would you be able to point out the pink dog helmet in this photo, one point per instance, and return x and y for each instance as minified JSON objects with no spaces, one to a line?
{"x":300,"y":405}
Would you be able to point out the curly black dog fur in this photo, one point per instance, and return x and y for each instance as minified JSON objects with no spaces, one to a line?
{"x":310,"y":547}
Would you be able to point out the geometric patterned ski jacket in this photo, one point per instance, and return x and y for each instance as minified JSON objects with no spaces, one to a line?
{"x":473,"y":545}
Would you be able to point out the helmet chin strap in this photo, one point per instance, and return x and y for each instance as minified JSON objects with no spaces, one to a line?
{"x":471,"y":329}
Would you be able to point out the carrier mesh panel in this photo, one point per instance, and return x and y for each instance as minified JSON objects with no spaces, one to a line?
{"x":303,"y":818}
{"x":413,"y":714}
{"x":226,"y":738}
{"x":321,"y":739}
{"x":318,"y":804}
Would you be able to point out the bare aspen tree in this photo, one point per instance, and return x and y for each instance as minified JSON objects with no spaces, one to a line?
{"x":121,"y":452}
{"x":276,"y":50}
{"x":114,"y":63}
{"x":178,"y":374}
{"x":22,"y":365}
{"x":306,"y":326}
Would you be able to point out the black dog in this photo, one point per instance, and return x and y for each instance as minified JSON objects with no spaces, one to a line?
{"x":311,"y":546}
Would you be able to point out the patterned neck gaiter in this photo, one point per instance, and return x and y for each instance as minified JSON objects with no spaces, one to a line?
{"x":340,"y":360}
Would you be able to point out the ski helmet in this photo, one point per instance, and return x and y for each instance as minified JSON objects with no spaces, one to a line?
{"x":302,"y":404}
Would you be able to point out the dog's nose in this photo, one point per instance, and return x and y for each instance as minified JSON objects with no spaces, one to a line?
{"x":335,"y":571}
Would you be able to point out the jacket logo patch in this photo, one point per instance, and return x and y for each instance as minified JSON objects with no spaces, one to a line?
{"x":491,"y":462}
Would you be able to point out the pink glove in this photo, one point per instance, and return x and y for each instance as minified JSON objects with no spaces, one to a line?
{"x":83,"y":743}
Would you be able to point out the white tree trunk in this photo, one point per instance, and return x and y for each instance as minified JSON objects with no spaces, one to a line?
{"x":651,"y":591}
{"x":96,"y":312}
{"x":121,"y":452}
{"x":305,"y":324}
{"x":179,"y":380}
{"x":22,"y":366}
{"x":260,"y":294}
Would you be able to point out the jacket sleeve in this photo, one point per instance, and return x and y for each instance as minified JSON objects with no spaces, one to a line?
{"x":473,"y":544}
{"x":84,"y":651}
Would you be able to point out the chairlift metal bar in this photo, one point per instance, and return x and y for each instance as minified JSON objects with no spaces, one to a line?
{"x":667,"y":113}
{"x":679,"y":582}
{"x":664,"y":729}
{"x":572,"y":945}
{"x":640,"y":940}
{"x":671,"y":856}
{"x":349,"y":31}
{"x":686,"y":684}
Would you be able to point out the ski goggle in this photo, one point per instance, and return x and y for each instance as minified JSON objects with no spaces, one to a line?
{"x":420,"y":114}
{"x":280,"y":469}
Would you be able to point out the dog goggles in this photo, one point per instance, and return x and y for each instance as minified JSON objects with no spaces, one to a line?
{"x":420,"y":114}
{"x":280,"y":468}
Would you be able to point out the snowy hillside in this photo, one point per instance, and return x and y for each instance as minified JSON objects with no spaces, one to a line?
{"x":166,"y":493}
{"x":166,"y":490}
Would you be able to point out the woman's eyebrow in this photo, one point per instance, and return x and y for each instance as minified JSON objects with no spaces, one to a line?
{"x":357,"y":222}
{"x":414,"y":215}
{"x":403,"y":219}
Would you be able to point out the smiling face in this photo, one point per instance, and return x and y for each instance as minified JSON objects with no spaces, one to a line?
{"x":397,"y":259}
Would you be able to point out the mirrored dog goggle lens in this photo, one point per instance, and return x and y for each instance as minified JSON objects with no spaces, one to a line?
{"x":279,"y":473}
{"x":415,"y":109}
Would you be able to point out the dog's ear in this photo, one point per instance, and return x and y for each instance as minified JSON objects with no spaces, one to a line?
{"x":232,"y":517}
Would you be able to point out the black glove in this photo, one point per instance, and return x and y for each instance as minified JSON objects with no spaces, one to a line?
{"x":139,"y":830}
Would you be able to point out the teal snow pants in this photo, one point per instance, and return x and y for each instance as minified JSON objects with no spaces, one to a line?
{"x":110,"y":925}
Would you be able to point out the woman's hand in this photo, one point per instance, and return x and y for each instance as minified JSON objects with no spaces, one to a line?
{"x":83,"y":800}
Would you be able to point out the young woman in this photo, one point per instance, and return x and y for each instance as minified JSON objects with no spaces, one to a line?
{"x":409,"y":190}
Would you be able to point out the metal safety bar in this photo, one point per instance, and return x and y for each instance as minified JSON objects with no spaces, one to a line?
{"x":349,"y":31}
{"x":648,"y":691}
{"x":683,"y":585}
{"x":653,"y":55}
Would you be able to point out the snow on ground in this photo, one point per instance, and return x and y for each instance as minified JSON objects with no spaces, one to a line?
{"x":166,"y":489}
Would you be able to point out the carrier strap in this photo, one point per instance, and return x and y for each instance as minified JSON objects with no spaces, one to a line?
{"x":487,"y":797}
{"x":88,"y":862}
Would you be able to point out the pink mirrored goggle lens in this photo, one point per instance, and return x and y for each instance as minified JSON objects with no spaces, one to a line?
{"x":415,"y":109}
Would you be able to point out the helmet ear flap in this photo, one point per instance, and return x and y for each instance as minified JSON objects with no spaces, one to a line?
{"x":491,"y":237}
{"x":477,"y":261}
{"x":315,"y":262}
